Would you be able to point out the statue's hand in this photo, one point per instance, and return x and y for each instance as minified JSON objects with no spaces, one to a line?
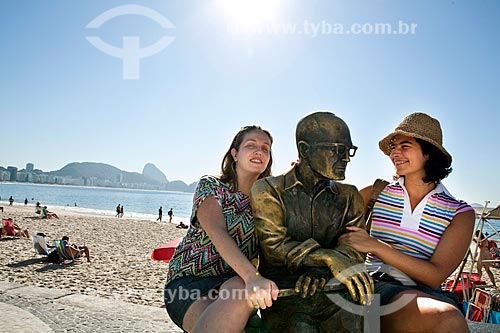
{"x":353,"y":275}
{"x":311,"y":281}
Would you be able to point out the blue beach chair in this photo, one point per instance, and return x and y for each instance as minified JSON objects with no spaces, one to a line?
{"x":61,"y":246}
{"x":70,"y":252}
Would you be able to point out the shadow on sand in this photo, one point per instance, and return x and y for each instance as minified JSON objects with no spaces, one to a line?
{"x":53,"y":267}
{"x":26,"y":262}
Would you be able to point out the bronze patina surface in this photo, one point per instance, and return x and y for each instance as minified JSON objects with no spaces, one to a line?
{"x":299,"y":216}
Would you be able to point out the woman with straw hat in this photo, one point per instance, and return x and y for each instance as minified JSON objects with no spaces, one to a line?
{"x":419,"y":232}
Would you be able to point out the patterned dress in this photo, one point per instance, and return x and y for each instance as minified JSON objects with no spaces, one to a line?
{"x":414,"y":233}
{"x":196,"y":255}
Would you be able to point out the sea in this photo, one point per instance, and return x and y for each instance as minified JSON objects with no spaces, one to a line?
{"x":100,"y":201}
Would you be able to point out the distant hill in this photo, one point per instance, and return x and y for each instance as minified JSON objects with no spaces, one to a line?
{"x":150,"y":175}
{"x":192,"y":187}
{"x":177,"y":185}
{"x":102,"y":171}
{"x":150,"y":170}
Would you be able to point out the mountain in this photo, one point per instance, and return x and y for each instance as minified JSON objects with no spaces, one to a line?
{"x":177,"y":185}
{"x":150,"y":170}
{"x":102,"y":171}
{"x":192,"y":187}
{"x":151,"y":175}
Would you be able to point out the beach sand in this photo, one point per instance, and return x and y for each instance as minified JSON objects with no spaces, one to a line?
{"x":120,"y":252}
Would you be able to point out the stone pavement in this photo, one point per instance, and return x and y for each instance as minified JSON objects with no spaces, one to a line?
{"x":44,"y":310}
{"x":47,"y":310}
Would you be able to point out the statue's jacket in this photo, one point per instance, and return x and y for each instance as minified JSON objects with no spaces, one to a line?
{"x":291,"y":223}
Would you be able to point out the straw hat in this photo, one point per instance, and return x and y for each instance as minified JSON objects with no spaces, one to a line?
{"x":417,"y":125}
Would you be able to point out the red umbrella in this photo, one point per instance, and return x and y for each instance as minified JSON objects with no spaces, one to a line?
{"x":166,"y":251}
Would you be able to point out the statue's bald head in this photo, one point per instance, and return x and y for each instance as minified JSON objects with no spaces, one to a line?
{"x":322,"y":127}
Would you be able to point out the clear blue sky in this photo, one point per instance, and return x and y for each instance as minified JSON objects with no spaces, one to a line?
{"x":63,"y":100}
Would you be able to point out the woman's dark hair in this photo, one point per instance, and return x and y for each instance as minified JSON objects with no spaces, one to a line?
{"x":437,"y":166}
{"x":228,"y":168}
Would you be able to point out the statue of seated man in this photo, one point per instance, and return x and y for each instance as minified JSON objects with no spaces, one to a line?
{"x":299,"y":217}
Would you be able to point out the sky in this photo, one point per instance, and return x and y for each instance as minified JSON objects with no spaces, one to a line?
{"x":171,"y":82}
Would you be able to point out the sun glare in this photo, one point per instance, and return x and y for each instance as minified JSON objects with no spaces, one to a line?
{"x":249,"y":13}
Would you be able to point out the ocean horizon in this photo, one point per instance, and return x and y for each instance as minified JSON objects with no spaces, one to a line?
{"x":100,"y":201}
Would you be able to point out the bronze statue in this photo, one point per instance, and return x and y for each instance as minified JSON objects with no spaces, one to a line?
{"x":299,"y":216}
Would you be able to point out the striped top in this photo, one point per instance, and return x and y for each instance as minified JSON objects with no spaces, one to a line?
{"x":196,"y":254}
{"x":414,"y":233}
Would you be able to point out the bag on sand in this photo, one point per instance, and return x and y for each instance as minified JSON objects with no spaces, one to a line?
{"x":53,"y":257}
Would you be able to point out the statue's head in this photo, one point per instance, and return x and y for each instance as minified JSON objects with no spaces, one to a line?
{"x":324,"y":144}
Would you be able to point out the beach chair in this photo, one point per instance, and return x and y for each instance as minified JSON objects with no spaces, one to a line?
{"x":480,"y":308}
{"x":62,"y":250}
{"x":8,"y":228}
{"x":40,"y":245}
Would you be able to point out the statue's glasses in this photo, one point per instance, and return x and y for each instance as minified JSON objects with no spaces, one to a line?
{"x":338,"y":148}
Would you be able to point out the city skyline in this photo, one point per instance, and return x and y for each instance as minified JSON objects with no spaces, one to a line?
{"x":219,"y":65}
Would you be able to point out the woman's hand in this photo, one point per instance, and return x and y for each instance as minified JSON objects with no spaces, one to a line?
{"x":261,"y":292}
{"x":359,"y":239}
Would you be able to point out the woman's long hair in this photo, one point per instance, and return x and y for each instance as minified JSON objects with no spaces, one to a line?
{"x":228,"y":168}
{"x":437,"y":166}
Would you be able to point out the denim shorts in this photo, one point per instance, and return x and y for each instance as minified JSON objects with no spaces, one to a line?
{"x":388,"y":290}
{"x":180,"y":293}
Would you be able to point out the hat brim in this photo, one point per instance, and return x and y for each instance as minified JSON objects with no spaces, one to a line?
{"x":385,"y":143}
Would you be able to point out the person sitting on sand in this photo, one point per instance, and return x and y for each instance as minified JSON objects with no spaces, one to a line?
{"x":483,"y":253}
{"x":46,"y":214}
{"x":15,"y":230}
{"x":20,"y":232}
{"x":74,"y":250}
{"x":182,"y":226}
{"x":38,"y":208}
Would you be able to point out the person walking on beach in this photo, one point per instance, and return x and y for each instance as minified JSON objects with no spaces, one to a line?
{"x":214,"y":258}
{"x":26,"y":201}
{"x":170,"y":214}
{"x":160,"y":214}
{"x":11,"y":201}
{"x":117,"y":211}
{"x":121,"y":211}
{"x":419,"y":232}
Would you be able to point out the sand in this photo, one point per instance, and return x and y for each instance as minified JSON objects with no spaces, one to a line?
{"x":120,"y":252}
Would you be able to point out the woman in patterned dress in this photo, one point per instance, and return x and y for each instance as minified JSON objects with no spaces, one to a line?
{"x":212,"y":285}
{"x":419,"y":232}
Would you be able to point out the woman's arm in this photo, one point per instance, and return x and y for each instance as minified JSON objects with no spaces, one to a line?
{"x":212,"y":220}
{"x":447,"y":256}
